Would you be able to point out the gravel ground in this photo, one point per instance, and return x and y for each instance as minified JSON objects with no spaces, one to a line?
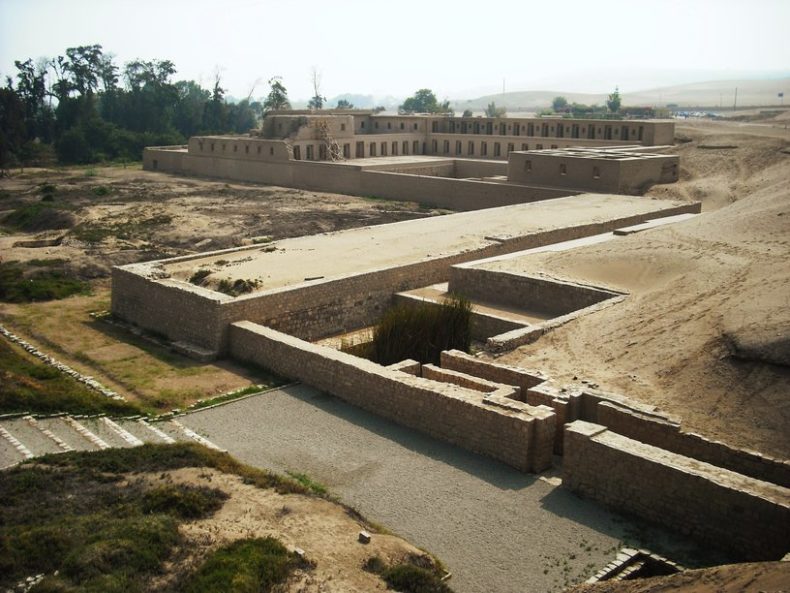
{"x":496,"y":529}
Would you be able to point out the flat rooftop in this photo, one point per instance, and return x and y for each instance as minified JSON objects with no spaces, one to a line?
{"x":606,"y":154}
{"x":334,"y":255}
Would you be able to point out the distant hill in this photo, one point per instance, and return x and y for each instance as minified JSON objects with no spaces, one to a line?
{"x":708,"y":94}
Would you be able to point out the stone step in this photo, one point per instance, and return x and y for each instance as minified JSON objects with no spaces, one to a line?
{"x":163,"y":431}
{"x":104,"y":431}
{"x":94,"y":439}
{"x":63,"y":430}
{"x":31,"y":437}
{"x":45,"y":425}
{"x":190,"y":434}
{"x":12,"y":451}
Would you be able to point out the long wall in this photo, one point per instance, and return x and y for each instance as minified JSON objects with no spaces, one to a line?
{"x":310,"y":310}
{"x":440,"y":192}
{"x":526,"y":292}
{"x":749,"y":517}
{"x":445,"y":411}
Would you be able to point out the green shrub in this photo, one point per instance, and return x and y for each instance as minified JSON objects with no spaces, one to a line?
{"x":183,"y":501}
{"x":408,"y":578}
{"x":101,"y":190}
{"x":421,"y":332}
{"x":45,"y":285}
{"x":244,"y":566}
{"x":39,"y":217}
{"x":199,"y":277}
{"x":238,"y":286}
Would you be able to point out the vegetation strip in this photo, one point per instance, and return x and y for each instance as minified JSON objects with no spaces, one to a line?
{"x":47,"y":359}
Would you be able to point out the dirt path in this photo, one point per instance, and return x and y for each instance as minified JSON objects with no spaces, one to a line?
{"x":497,"y":529}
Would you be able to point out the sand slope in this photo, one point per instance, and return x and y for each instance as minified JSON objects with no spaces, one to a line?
{"x":705,"y":295}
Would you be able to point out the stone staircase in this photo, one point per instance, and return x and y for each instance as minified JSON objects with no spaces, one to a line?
{"x":26,"y":437}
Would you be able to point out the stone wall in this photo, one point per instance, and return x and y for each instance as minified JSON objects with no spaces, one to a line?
{"x":518,"y":437}
{"x":183,"y":312}
{"x":749,"y":517}
{"x":456,"y":194}
{"x":666,"y":434}
{"x":530,"y":293}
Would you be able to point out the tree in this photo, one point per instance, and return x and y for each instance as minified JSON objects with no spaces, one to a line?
{"x":424,"y":101}
{"x":493,"y":111}
{"x":559,"y":104}
{"x":344,"y":104}
{"x":317,"y":100}
{"x":277,"y":98}
{"x":613,"y":103}
{"x":467,"y":113}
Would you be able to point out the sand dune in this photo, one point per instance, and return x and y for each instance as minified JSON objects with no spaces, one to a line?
{"x":709,"y":311}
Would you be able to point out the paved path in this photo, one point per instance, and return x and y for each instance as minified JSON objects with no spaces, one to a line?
{"x":497,"y":529}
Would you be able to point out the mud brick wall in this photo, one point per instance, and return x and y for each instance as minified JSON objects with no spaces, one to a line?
{"x":749,"y":517}
{"x":456,"y":194}
{"x":492,"y":371}
{"x":668,"y":435}
{"x":444,"y":411}
{"x":188,"y":314}
{"x":526,"y":292}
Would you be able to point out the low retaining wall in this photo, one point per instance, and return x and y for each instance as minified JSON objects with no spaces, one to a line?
{"x":668,"y":435}
{"x":749,"y":517}
{"x":521,"y":438}
{"x":530,"y":293}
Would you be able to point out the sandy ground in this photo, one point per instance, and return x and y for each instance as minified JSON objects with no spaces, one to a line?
{"x":138,"y":216}
{"x":704,"y":295}
{"x":764,"y":577}
{"x":326,"y":532}
{"x":495,"y":528}
{"x":356,"y":251}
{"x":148,"y":215}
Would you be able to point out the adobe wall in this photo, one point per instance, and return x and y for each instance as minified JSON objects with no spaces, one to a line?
{"x":668,"y":435}
{"x":477,"y":168}
{"x":457,"y":194}
{"x":181,"y":313}
{"x":749,"y":517}
{"x":156,"y":158}
{"x":444,"y":411}
{"x":525,"y":292}
{"x":624,"y":176}
{"x":311,"y":310}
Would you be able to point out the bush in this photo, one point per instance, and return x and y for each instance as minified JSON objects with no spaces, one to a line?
{"x":422,"y":332}
{"x":45,"y":285}
{"x":408,"y":578}
{"x":244,"y":566}
{"x":183,"y":501}
{"x":199,"y":277}
{"x":39,"y":217}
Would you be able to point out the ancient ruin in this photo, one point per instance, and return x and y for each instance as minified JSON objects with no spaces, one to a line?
{"x":292,"y":305}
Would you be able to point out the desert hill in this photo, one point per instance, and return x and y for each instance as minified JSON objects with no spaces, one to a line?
{"x":709,"y":94}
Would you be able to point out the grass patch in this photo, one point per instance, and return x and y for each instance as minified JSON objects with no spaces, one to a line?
{"x":101,"y":191}
{"x":199,"y":277}
{"x":238,"y":286}
{"x":40,"y":216}
{"x":80,"y":515}
{"x":20,"y":286}
{"x":158,"y":458}
{"x":128,"y":230}
{"x":408,"y":578}
{"x":421,"y":332}
{"x":308,"y":483}
{"x":244,"y":566}
{"x":230,"y":396}
{"x":183,"y":501}
{"x":28,"y":386}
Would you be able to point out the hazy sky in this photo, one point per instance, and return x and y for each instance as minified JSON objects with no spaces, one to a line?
{"x":459,"y":49}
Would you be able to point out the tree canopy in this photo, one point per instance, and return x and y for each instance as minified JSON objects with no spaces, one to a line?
{"x":559,"y":104}
{"x":86,"y":108}
{"x":614,"y":102}
{"x":492,"y":110}
{"x":424,"y":101}
{"x":277,"y":98}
